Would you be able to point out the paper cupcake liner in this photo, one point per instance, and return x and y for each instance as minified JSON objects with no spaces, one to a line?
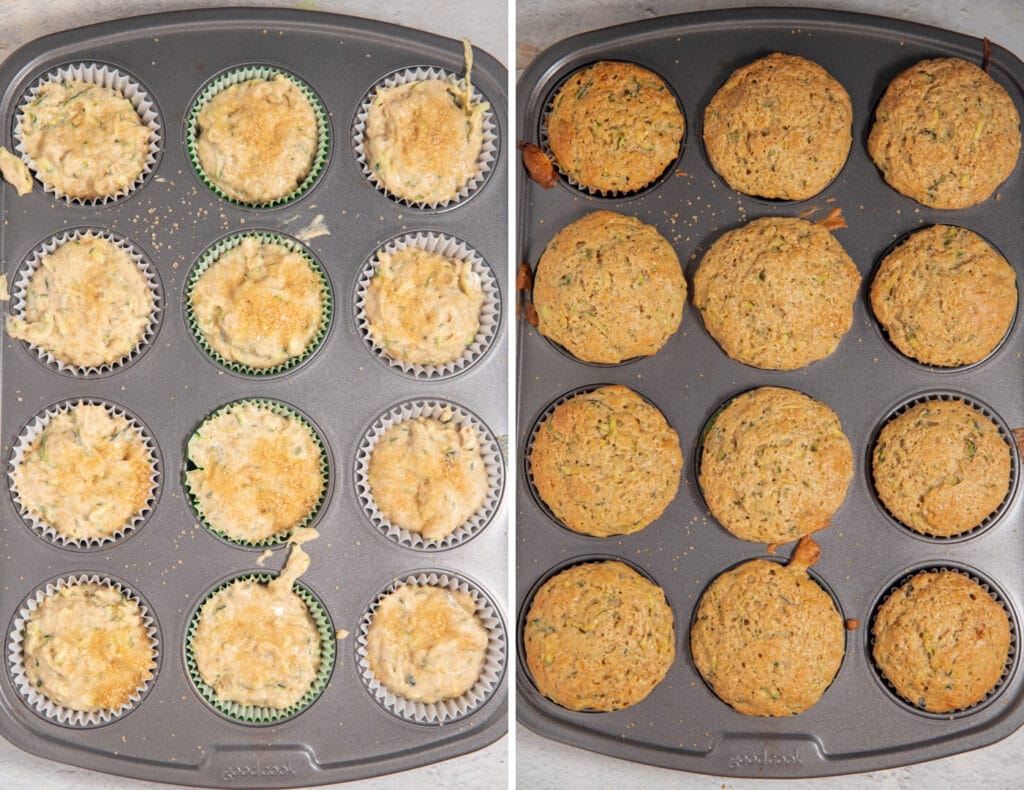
{"x":490,"y":311}
{"x":994,"y":592}
{"x":284,"y":410}
{"x":1004,"y":433}
{"x":490,"y":451}
{"x":488,"y":150}
{"x":42,"y":705}
{"x":243,"y":74}
{"x":19,"y":297}
{"x":449,"y":710}
{"x":108,"y":77}
{"x":211,"y":255}
{"x":46,"y":531}
{"x":262,"y":714}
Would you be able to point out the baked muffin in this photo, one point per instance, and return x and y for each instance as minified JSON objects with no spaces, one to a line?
{"x":945,"y":134}
{"x":775,"y":465}
{"x":257,"y":140}
{"x":87,"y":648}
{"x":941,"y":467}
{"x":767,"y":638}
{"x":428,"y":476}
{"x":423,"y":140}
{"x":259,"y":472}
{"x":609,"y":288}
{"x":606,"y":462}
{"x":615,"y":127}
{"x":598,"y":636}
{"x":776,"y":293}
{"x":85,"y":140}
{"x":944,"y":296}
{"x":259,"y":304}
{"x":779,"y":127}
{"x":87,"y":304}
{"x":426,"y":644}
{"x":422,"y":307}
{"x":87,"y":475}
{"x":941,"y":641}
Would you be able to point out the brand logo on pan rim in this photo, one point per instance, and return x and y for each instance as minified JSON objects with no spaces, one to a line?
{"x":258,"y":769}
{"x":766,"y":760}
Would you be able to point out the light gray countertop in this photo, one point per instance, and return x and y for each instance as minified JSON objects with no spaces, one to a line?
{"x":544,"y":763}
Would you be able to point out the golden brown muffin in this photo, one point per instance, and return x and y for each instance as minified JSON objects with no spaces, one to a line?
{"x":606,"y":462}
{"x":941,"y":641}
{"x":776,"y":293}
{"x":945,"y":134}
{"x":609,"y":288}
{"x":767,"y":638}
{"x":598,"y":636}
{"x":775,"y":465}
{"x":615,"y":127}
{"x":941,"y":467}
{"x":779,"y":127}
{"x":944,"y":296}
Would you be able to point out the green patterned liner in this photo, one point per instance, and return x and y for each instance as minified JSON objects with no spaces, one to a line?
{"x":243,"y":74}
{"x":284,"y":410}
{"x":211,"y":256}
{"x":259,"y":714}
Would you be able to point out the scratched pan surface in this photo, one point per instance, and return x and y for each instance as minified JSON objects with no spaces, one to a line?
{"x":172,"y":735}
{"x":857,"y":725}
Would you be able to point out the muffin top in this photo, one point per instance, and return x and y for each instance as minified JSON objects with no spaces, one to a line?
{"x":941,"y":467}
{"x":426,"y":644}
{"x":775,"y":465}
{"x":776,"y":293}
{"x":87,"y":304}
{"x":606,"y":462}
{"x":85,"y":140}
{"x":257,"y":139}
{"x":944,"y":296}
{"x":598,"y":636}
{"x":941,"y":641}
{"x":779,"y":127}
{"x":767,"y":638}
{"x":608,"y":288}
{"x":423,"y":140}
{"x":945,"y":134}
{"x":615,"y":127}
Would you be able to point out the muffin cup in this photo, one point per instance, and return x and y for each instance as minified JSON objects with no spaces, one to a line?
{"x":489,"y":451}
{"x":261,"y":714}
{"x":284,"y":410}
{"x":257,"y":72}
{"x":19,"y":297}
{"x":107,"y":77}
{"x":211,"y":256}
{"x":448,"y":710}
{"x":490,"y":311}
{"x":488,"y":150}
{"x":42,"y":705}
{"x":35,"y":427}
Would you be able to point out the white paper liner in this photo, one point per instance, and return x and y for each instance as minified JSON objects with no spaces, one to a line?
{"x":490,"y":310}
{"x":488,"y":149}
{"x":35,"y":427}
{"x":448,"y":710}
{"x":489,"y":451}
{"x":16,"y":657}
{"x":1011,"y":654}
{"x":108,"y":77}
{"x":19,"y":296}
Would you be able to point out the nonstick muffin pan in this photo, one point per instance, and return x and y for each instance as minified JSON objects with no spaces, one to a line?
{"x":859,"y":724}
{"x":170,"y":560}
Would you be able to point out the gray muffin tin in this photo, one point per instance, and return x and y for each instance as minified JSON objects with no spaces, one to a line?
{"x":172,"y":735}
{"x":858,"y":725}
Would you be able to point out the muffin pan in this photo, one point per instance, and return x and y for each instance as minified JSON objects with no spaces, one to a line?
{"x":171,"y":734}
{"x":858,"y":725}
